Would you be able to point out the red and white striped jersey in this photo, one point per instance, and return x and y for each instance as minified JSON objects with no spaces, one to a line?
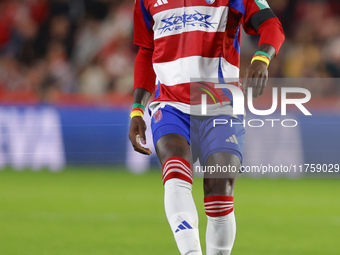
{"x":194,"y":39}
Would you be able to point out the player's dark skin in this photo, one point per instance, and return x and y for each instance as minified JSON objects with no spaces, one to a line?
{"x":175,"y":145}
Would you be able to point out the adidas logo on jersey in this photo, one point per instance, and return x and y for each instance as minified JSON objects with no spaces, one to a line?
{"x":232,"y":139}
{"x":160,"y":2}
{"x":184,"y":225}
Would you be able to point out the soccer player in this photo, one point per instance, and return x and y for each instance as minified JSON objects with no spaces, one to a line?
{"x":197,"y":39}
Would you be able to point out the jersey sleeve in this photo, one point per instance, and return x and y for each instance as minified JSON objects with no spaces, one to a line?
{"x":255,"y":14}
{"x":144,"y":76}
{"x":142,"y":19}
{"x":259,"y":19}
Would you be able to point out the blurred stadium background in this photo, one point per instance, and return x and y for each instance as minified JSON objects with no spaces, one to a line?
{"x":66,"y":83}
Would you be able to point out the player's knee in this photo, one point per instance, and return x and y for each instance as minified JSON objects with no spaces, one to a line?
{"x":219,"y":187}
{"x":172,"y":145}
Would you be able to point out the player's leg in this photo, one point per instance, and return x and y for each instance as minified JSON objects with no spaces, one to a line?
{"x":171,"y":135}
{"x":222,"y":148}
{"x":219,"y":207}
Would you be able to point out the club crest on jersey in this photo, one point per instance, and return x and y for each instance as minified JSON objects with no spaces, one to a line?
{"x":158,"y":116}
{"x":209,"y":1}
{"x":262,"y":4}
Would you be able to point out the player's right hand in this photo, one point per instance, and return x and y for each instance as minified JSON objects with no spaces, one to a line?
{"x":137,"y":135}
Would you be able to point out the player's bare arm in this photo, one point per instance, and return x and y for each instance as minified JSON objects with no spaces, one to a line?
{"x":144,"y":85}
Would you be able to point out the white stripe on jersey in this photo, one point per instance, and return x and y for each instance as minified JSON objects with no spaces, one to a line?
{"x":183,"y":70}
{"x":187,"y":19}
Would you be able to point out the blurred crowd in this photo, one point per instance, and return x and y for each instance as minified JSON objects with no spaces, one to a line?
{"x":65,"y":50}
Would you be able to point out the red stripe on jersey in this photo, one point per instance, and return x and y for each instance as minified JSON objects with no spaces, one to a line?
{"x":188,"y":44}
{"x":190,"y":93}
{"x":231,"y":55}
{"x":177,"y":93}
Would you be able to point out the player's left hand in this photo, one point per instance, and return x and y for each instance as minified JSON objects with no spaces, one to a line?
{"x":256,"y":78}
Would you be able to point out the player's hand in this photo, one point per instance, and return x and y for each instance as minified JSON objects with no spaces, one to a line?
{"x":256,"y":78}
{"x":137,"y":135}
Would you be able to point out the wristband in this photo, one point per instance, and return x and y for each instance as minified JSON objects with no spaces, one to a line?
{"x":136,"y":113}
{"x":261,"y":58}
{"x":139,"y":106}
{"x":137,"y":110}
{"x":262,"y":53}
